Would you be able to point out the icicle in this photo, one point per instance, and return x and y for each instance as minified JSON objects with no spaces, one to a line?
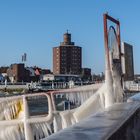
{"x":11,"y":132}
{"x":45,"y":129}
{"x":57,"y":123}
{"x":36,"y":132}
{"x":49,"y":128}
{"x":39,"y":128}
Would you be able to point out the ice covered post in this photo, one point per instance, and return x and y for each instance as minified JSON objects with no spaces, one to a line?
{"x":27,"y":127}
{"x":110,"y":80}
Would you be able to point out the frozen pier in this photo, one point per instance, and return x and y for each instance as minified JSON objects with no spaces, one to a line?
{"x":118,"y":122}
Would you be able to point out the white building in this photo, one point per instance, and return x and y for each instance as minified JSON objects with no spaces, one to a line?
{"x":48,"y":77}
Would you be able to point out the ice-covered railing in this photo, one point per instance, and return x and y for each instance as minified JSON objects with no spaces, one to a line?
{"x":23,"y":127}
{"x":10,"y":108}
{"x":77,"y":95}
{"x":15,"y":119}
{"x":63,"y":117}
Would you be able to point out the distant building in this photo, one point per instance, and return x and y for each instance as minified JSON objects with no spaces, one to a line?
{"x":137,"y":78}
{"x":41,"y":72}
{"x":32,"y":75}
{"x":3,"y":69}
{"x":127,"y":61}
{"x":36,"y":73}
{"x":97,"y":78}
{"x":46,"y":71}
{"x":18,"y":73}
{"x":61,"y":77}
{"x":67,"y":58}
{"x":3,"y":73}
{"x":31,"y":71}
{"x":86,"y":74}
{"x":48,"y":77}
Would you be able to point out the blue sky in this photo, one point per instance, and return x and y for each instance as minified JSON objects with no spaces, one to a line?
{"x":35,"y":26}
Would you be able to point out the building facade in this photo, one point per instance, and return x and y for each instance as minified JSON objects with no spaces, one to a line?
{"x":61,"y":77}
{"x":127,"y":61}
{"x":18,"y":73}
{"x":67,"y":58}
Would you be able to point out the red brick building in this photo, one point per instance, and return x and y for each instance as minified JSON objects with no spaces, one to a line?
{"x":67,"y":58}
{"x":18,"y":73}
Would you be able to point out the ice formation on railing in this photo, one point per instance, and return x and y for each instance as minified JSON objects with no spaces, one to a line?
{"x":10,"y":109}
{"x":79,"y":95}
{"x":92,"y":100}
{"x":15,"y":132}
{"x":41,"y":130}
{"x":99,"y":100}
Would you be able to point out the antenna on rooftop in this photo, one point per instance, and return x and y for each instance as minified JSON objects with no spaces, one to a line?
{"x":24,"y":57}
